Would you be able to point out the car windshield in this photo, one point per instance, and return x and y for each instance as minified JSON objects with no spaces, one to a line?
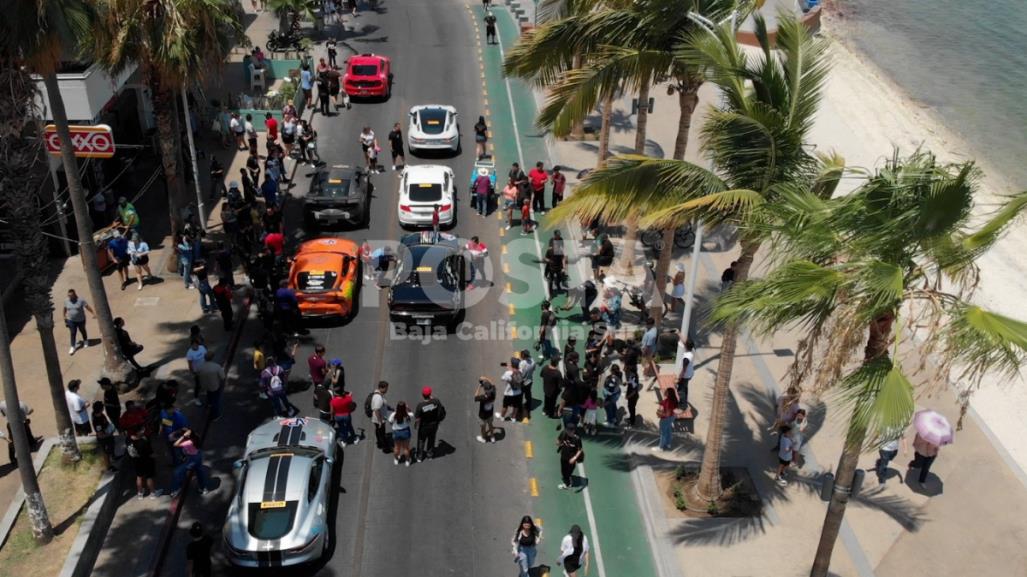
{"x":433,"y":120}
{"x":365,"y":70}
{"x":271,"y":519}
{"x":425,"y":192}
{"x":316,"y":280}
{"x":443,"y":273}
{"x":334,"y":187}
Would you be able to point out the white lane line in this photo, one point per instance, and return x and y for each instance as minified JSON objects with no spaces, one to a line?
{"x":556,"y":333}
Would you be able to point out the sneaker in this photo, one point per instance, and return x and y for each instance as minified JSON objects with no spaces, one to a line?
{"x":395,"y":461}
{"x":342,"y":444}
{"x":525,"y":421}
{"x":140,"y":494}
{"x":153,"y":495}
{"x":197,"y":402}
{"x":393,"y":168}
{"x":492,"y":439}
{"x":140,"y":287}
{"x":480,"y":439}
{"x":190,"y":287}
{"x":407,"y":463}
{"x":561,"y":486}
{"x":782,"y":481}
{"x":356,"y":440}
{"x":500,"y":416}
{"x":262,"y":396}
{"x":72,"y":350}
{"x":657,"y":449}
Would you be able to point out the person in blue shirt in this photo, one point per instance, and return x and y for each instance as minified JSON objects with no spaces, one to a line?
{"x":172,"y":421}
{"x":185,"y":260}
{"x":117,"y":249}
{"x":270,"y":190}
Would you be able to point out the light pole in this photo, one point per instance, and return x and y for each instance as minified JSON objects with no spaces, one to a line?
{"x":686,"y":316}
{"x":200,"y":216}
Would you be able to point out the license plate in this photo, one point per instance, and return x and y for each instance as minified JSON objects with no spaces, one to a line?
{"x":424,"y":322}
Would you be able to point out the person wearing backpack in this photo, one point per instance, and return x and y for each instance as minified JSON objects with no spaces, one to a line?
{"x":376,"y":408}
{"x":428,"y":414}
{"x":272,"y":379}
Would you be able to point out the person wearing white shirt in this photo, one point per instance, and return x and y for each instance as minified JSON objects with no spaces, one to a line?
{"x":527,"y":368}
{"x":195,"y":356}
{"x":687,"y":372}
{"x":574,"y":552}
{"x":512,"y":395}
{"x":78,"y":408}
{"x":886,"y":453}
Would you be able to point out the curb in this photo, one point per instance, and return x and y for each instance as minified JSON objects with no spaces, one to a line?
{"x":93,"y":529}
{"x":168,"y":529}
{"x":19,"y":498}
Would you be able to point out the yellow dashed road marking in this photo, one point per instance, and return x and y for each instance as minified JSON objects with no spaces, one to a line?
{"x":534,"y":487}
{"x":510,"y":309}
{"x":506,"y":268}
{"x":509,"y":288}
{"x":503,"y":250}
{"x":529,"y":451}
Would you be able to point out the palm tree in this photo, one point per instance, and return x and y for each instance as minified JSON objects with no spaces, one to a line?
{"x":647,"y":51}
{"x":174,"y":42}
{"x":15,"y":176}
{"x":35,"y":34}
{"x":756,"y":141}
{"x":290,"y":11}
{"x":896,"y":258}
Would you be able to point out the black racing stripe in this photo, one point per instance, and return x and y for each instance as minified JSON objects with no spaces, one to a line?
{"x":295,"y":435}
{"x":283,"y":476}
{"x":263,"y":559}
{"x":283,"y":435}
{"x":276,"y":556}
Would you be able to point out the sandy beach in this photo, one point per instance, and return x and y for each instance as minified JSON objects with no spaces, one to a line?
{"x":864,"y":116}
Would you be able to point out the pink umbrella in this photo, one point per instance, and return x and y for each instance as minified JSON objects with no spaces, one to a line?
{"x":933,"y":427}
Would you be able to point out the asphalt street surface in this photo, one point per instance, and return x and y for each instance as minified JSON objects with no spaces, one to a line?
{"x":453,"y":515}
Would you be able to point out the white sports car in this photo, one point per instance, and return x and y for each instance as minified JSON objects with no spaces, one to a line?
{"x":421,"y":189}
{"x":433,"y":127}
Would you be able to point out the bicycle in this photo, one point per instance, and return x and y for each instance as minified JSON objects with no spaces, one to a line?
{"x":684,"y":238}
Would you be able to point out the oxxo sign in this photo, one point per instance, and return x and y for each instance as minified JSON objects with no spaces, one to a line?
{"x":88,"y":141}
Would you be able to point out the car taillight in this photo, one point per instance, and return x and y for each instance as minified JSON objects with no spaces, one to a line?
{"x":446,"y":208}
{"x":404,"y":207}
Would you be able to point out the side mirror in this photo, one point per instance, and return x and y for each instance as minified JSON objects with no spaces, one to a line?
{"x":238,"y":464}
{"x":330,"y":461}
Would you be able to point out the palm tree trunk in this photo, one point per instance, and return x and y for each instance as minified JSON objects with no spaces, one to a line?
{"x":708,"y":487}
{"x":604,"y":131}
{"x":876,"y":347}
{"x":115,"y":367}
{"x":42,"y":530}
{"x":166,"y":111}
{"x":25,"y":168}
{"x":688,"y":98}
{"x":578,"y":130}
{"x":627,"y":255}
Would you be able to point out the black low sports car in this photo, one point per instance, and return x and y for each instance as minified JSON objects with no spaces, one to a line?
{"x":339,"y":194}
{"x":427,"y":286}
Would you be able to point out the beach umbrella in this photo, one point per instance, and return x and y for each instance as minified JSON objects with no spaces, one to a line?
{"x":933,"y":427}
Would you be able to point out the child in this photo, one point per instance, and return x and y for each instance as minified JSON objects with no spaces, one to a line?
{"x":372,"y":157}
{"x":591,"y":410}
{"x":526,"y":224}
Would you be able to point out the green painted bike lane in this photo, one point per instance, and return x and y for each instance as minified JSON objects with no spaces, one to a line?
{"x":607,"y":504}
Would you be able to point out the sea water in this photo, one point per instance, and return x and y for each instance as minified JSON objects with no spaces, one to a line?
{"x":966,"y":60}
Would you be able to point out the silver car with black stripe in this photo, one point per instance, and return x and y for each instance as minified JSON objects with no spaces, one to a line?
{"x":278,"y":516}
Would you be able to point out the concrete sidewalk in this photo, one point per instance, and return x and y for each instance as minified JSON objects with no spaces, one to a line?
{"x":894,"y":529}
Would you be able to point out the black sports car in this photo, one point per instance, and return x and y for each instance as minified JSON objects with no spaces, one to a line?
{"x":339,"y":194}
{"x":429,"y":280}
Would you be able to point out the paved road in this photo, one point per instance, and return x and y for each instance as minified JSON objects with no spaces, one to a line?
{"x":454,"y":515}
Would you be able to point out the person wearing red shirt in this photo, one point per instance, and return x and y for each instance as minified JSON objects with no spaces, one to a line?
{"x":526,"y":217}
{"x":272,"y":127}
{"x":668,"y":405}
{"x":318,"y":365}
{"x":435,"y":220}
{"x":343,"y":406}
{"x":538,"y":177}
{"x":559,"y":182}
{"x":275,"y":242}
{"x":478,"y":252}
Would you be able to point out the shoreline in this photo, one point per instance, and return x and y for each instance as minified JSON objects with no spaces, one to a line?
{"x":864,"y":115}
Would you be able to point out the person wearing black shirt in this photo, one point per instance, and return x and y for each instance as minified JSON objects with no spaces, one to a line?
{"x":323,"y":94}
{"x":485,"y":396}
{"x":427,"y":416}
{"x":140,"y":453}
{"x":552,"y":380}
{"x":396,"y":143}
{"x":490,"y":27}
{"x":253,"y":166}
{"x":197,"y":552}
{"x":568,"y":444}
{"x":217,"y":178}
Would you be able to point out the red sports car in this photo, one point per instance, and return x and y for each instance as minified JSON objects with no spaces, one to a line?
{"x":368,"y":75}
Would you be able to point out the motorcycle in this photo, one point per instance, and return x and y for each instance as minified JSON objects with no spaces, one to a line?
{"x":287,"y":42}
{"x":684,"y":238}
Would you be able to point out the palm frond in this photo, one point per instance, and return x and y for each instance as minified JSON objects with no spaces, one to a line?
{"x":984,"y":237}
{"x":879,"y":286}
{"x":880,"y":399}
{"x":804,"y":67}
{"x":978,"y":341}
{"x":713,"y":208}
{"x":799,"y":293}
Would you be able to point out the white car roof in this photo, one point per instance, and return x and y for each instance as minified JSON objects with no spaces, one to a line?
{"x":419,"y":107}
{"x":427,"y":173}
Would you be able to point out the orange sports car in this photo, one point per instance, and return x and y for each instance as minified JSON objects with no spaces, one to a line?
{"x":325,"y":275}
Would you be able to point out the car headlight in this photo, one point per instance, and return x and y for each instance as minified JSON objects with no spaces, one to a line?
{"x":303,"y":548}
{"x":239,"y":553}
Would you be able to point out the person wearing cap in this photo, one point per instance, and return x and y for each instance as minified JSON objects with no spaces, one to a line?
{"x":568,"y":444}
{"x":335,"y":378}
{"x":482,"y":187}
{"x":197,"y":552}
{"x":428,"y":414}
{"x":127,"y":214}
{"x":342,"y":407}
{"x":117,"y":249}
{"x":677,"y":287}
